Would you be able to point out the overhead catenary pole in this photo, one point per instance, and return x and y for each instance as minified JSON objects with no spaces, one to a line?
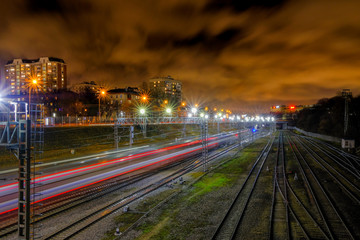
{"x":204,"y":141}
{"x":346,"y":94}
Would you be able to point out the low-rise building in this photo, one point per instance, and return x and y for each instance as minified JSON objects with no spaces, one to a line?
{"x":123,"y":95}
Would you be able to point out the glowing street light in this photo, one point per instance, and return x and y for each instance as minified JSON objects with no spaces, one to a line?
{"x":168,"y":110}
{"x":142,"y":111}
{"x":194,"y":110}
{"x":101,"y":93}
{"x":32,"y":84}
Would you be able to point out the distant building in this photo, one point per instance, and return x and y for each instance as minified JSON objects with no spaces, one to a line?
{"x":81,"y":86}
{"x":287,"y":108}
{"x":123,"y":95}
{"x":51,"y":73}
{"x":166,"y":87}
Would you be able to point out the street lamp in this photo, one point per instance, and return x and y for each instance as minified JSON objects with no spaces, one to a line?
{"x":142,"y":111}
{"x":168,"y":110}
{"x":32,"y":84}
{"x":101,"y":93}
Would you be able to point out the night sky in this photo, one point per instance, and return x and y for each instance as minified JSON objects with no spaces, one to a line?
{"x":239,"y":55}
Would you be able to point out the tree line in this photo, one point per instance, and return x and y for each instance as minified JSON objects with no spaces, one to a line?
{"x":327,"y":117}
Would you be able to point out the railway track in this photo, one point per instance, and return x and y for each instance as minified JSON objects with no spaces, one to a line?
{"x":301,"y":206}
{"x":87,"y":221}
{"x":328,"y":212}
{"x":279,"y":221}
{"x":311,"y":191}
{"x":342,"y":181}
{"x":229,"y":226}
{"x":68,"y":202}
{"x":344,"y":161}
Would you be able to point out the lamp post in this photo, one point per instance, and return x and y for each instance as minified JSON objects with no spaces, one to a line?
{"x":33,"y":84}
{"x":102,"y":93}
{"x":142,"y":112}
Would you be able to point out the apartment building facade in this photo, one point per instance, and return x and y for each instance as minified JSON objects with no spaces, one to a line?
{"x":50,"y":72}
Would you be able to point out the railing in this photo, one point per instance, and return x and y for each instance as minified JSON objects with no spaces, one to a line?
{"x":148,"y":120}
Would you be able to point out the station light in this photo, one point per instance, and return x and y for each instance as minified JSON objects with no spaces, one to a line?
{"x":201,"y":114}
{"x":189,"y":115}
{"x":168,"y":110}
{"x":194,"y":110}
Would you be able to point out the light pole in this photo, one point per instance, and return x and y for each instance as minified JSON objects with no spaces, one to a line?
{"x":33,"y":84}
{"x":102,"y":93}
{"x":142,"y":112}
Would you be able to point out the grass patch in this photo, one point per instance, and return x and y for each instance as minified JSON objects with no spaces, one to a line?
{"x":208,"y":184}
{"x":160,"y":231}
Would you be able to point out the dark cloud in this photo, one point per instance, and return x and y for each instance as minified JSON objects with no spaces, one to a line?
{"x":241,"y":6}
{"x":235,"y":53}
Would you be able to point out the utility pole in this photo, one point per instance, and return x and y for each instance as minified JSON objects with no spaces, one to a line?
{"x":239,"y":135}
{"x":131,"y":137}
{"x":204,"y":141}
{"x":116,"y":135}
{"x":24,"y":156}
{"x":26,"y":141}
{"x":346,"y":94}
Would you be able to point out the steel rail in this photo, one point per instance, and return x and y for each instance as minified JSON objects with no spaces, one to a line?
{"x":332,"y":156}
{"x":317,"y":158}
{"x":230,"y":209}
{"x":326,"y":196}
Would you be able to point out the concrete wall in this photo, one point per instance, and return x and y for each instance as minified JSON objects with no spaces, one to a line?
{"x":316,"y":135}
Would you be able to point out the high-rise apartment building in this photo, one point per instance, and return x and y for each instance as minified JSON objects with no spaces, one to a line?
{"x":50,"y":71}
{"x":166,"y":86}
